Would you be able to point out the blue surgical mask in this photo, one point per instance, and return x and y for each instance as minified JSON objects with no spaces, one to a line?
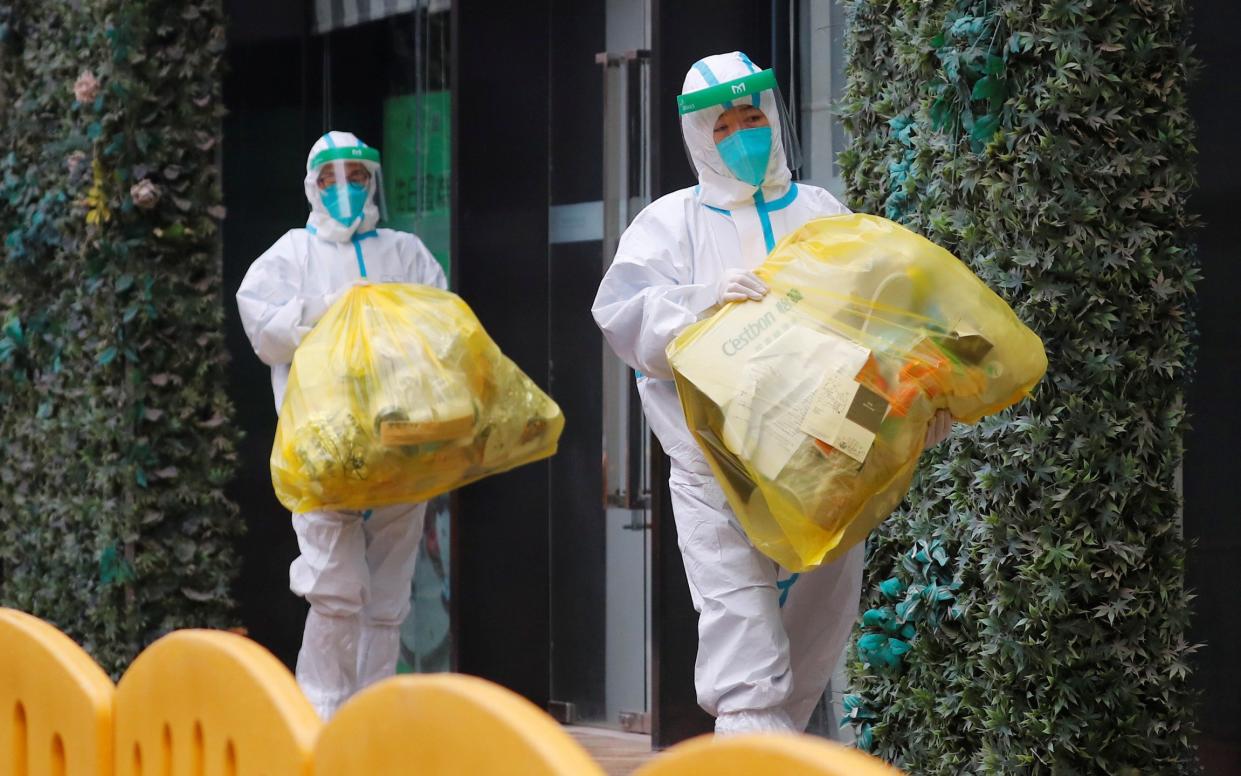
{"x":746,"y":152}
{"x":357,"y":201}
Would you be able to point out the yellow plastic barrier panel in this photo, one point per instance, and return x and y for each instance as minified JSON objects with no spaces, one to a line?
{"x":812,"y":405}
{"x":398,"y":395}
{"x":55,"y":703}
{"x":211,"y":703}
{"x":775,"y":753}
{"x":446,"y":725}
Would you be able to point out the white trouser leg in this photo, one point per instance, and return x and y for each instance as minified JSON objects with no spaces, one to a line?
{"x":392,"y":537}
{"x":760,"y":666}
{"x":818,"y":615}
{"x":731,"y":723}
{"x":743,"y":652}
{"x":331,"y":575}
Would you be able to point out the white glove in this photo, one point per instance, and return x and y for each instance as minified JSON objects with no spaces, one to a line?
{"x":938,"y":428}
{"x":335,"y":296}
{"x":317,"y":306}
{"x":738,"y":286}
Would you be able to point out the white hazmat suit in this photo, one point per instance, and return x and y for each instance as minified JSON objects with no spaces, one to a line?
{"x":355,"y":568}
{"x":768,"y":640}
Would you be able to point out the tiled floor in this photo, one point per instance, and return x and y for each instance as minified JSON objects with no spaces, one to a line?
{"x":620,"y":754}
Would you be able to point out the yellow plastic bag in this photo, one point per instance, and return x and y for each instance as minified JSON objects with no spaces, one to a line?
{"x":812,"y":405}
{"x":398,"y":395}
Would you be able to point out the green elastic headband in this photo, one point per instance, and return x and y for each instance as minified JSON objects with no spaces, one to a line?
{"x":726,"y":92}
{"x":353,"y":154}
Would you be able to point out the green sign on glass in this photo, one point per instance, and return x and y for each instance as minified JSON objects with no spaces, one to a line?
{"x":417,"y":154}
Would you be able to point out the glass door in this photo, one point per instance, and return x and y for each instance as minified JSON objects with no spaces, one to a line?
{"x":386,"y":78}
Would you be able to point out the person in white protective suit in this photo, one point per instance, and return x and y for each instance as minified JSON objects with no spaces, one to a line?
{"x":768,"y":640}
{"x":355,"y":568}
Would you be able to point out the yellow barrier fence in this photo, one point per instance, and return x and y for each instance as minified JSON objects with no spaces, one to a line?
{"x":211,"y":703}
{"x":764,"y":753}
{"x":441,"y":724}
{"x":55,"y":703}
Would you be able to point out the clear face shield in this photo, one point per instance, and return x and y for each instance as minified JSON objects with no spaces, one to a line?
{"x":348,"y":180}
{"x":750,"y":117}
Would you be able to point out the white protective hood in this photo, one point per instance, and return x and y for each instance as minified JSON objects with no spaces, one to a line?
{"x":718,"y":186}
{"x":321,"y":222}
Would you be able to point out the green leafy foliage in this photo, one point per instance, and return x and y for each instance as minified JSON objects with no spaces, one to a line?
{"x":115,"y":425}
{"x":1050,"y":146}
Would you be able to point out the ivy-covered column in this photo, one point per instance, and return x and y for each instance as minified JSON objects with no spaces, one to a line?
{"x":114,"y":420}
{"x":1026,"y":611}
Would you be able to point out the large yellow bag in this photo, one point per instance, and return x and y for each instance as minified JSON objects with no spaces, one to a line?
{"x":398,"y":395}
{"x":812,"y":405}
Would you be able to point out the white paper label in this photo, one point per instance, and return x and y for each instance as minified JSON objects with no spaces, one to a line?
{"x":763,"y":420}
{"x":845,"y":414}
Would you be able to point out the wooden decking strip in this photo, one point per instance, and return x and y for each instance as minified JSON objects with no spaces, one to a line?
{"x":618,"y":753}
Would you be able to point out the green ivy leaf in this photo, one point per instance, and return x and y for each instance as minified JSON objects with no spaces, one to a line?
{"x":986,"y":87}
{"x":940,"y":114}
{"x":1020,"y":42}
{"x":951,"y":61}
{"x":114,"y":568}
{"x":107,"y":356}
{"x":13,"y":330}
{"x":984,"y":128}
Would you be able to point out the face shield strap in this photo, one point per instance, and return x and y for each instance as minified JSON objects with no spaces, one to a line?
{"x":354,"y":154}
{"x":725,"y":93}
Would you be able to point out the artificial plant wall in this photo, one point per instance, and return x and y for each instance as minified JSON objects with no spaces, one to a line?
{"x":115,"y":430}
{"x":1036,"y":574}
